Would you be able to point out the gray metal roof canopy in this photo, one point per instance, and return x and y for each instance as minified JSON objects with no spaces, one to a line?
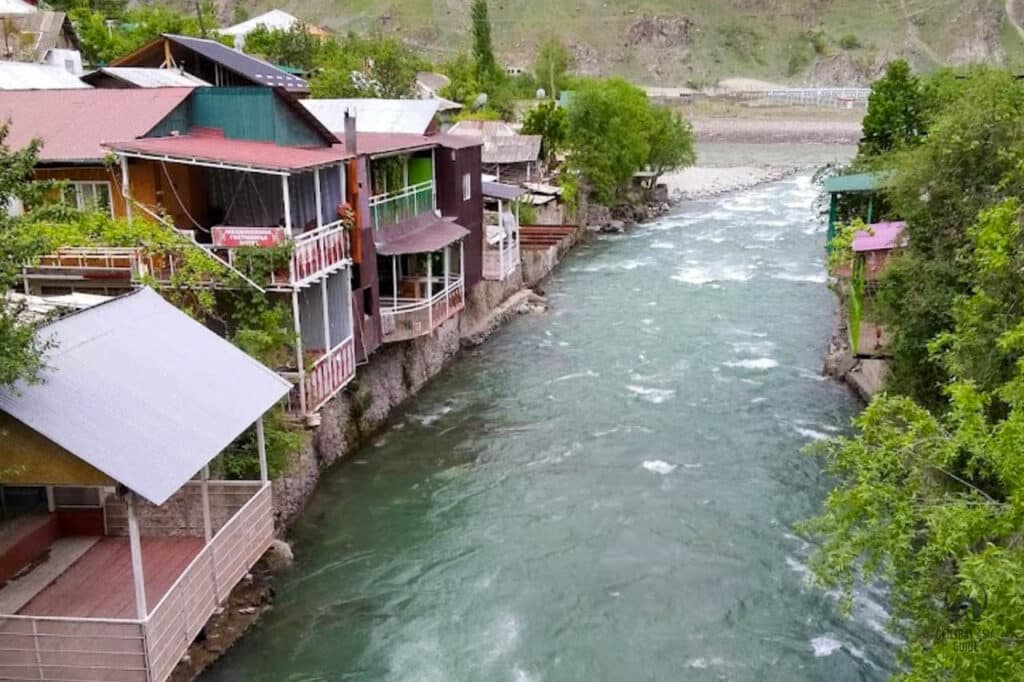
{"x":144,"y":393}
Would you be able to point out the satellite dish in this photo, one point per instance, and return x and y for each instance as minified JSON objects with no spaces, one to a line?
{"x":480,"y":100}
{"x":541,"y":94}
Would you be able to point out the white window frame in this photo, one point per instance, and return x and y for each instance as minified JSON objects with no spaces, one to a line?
{"x":467,"y":186}
{"x":79,"y":187}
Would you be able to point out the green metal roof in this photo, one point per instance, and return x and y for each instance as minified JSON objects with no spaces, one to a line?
{"x":861,"y":182}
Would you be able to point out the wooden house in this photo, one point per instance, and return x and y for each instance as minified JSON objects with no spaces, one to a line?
{"x":116,"y":547}
{"x":512,"y":158}
{"x":213,"y":62}
{"x":227,"y":168}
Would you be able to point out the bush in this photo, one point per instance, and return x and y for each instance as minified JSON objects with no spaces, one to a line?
{"x":849,"y":42}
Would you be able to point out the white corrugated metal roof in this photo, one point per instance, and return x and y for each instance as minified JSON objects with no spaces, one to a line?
{"x":375,"y":115}
{"x":144,"y":393}
{"x":25,"y":76}
{"x":154,"y":78}
{"x":274,"y":19}
{"x":9,"y":7}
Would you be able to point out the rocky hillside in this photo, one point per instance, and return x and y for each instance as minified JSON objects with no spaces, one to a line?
{"x":697,"y":42}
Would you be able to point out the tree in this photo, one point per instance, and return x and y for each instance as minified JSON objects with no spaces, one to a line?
{"x":21,"y":353}
{"x":608,"y":135}
{"x":294,"y":47}
{"x":483,"y":47}
{"x":934,"y":504}
{"x":896,"y":112}
{"x":670,"y":139}
{"x":102,"y":42}
{"x":550,"y":121}
{"x":552,"y":63}
{"x":366,"y":66}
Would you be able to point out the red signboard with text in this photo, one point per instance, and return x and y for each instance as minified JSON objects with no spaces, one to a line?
{"x":234,"y":237}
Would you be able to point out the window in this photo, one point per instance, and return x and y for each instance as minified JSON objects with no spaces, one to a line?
{"x":467,"y":187}
{"x":89,"y":196}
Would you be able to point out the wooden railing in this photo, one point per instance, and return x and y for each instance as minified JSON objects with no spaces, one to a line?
{"x":407,"y":318}
{"x":394,"y":207}
{"x":72,"y":649}
{"x":173,"y":624}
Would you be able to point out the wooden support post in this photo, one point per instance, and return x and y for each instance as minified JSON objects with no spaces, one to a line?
{"x":261,"y":447}
{"x":126,"y":192}
{"x":135,"y":545}
{"x":318,"y":198}
{"x":204,"y":486}
{"x":287,"y":206}
{"x":325,"y":311}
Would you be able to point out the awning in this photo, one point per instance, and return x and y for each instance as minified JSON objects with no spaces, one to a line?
{"x":422,"y":234}
{"x":500,"y":190}
{"x":860,"y":182}
{"x":141,"y":392}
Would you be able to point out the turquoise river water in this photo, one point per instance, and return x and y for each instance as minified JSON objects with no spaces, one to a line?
{"x":604,"y":492}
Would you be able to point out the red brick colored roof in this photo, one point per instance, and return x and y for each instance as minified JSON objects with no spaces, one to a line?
{"x":215,"y":148}
{"x":73,"y":124}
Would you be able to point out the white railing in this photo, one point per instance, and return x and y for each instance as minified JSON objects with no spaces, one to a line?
{"x":331,"y":372}
{"x":406,"y":318}
{"x":129,"y":650}
{"x":173,"y":624}
{"x":501,"y":260}
{"x":72,"y":649}
{"x":319,"y":252}
{"x":837,"y":98}
{"x":394,"y":207}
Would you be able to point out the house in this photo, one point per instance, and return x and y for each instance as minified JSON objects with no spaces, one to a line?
{"x":875,"y":244}
{"x":212,"y":62}
{"x":31,"y":34}
{"x":509,"y":156}
{"x":423,"y":219}
{"x":429,"y":86}
{"x":851,"y":196}
{"x":141,"y":77}
{"x":227,"y":168}
{"x":29,"y":76}
{"x":116,"y":546}
{"x":501,"y":230}
{"x":273,"y":20}
{"x":411,"y":116}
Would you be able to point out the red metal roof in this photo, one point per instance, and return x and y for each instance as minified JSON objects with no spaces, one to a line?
{"x":421,"y":234}
{"x":215,"y":148}
{"x":388,"y":143}
{"x":74,"y":123}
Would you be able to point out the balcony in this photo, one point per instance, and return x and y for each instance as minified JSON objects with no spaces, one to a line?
{"x":501,"y":245}
{"x":50,"y":637}
{"x":329,"y":373}
{"x":405,"y":318}
{"x":408,"y":202}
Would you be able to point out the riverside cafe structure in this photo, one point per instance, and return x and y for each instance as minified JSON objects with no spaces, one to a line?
{"x":124,"y":547}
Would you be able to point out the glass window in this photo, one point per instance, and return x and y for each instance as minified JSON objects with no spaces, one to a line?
{"x":467,"y":187}
{"x":89,"y":196}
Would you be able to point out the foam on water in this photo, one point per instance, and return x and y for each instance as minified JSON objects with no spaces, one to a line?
{"x":651,"y":395}
{"x":825,"y":646}
{"x":753,"y":363}
{"x":659,"y":466}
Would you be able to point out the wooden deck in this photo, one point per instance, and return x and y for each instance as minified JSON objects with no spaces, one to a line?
{"x":536,"y":237}
{"x":99,"y":584}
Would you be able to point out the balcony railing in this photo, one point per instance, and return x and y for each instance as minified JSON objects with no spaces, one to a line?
{"x":132,"y":650}
{"x":331,"y":372}
{"x":501,"y":245}
{"x":408,"y":202}
{"x":315,"y":254}
{"x":407,"y":318}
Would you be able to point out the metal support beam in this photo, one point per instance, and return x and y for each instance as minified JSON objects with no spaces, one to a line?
{"x":204,"y":486}
{"x":325,"y":308}
{"x":447,"y":269}
{"x":135,"y":544}
{"x":261,"y":447}
{"x":394,"y":282}
{"x":287,"y":206}
{"x":318,"y":198}
{"x":126,"y":192}
{"x":300,"y":363}
{"x":430,"y":290}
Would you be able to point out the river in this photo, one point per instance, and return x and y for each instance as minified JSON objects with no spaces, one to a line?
{"x":604,"y":492}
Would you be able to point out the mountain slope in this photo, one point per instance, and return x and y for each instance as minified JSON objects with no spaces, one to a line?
{"x":666,"y":42}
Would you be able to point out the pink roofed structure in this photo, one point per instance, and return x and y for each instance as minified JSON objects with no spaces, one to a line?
{"x":879,"y":237}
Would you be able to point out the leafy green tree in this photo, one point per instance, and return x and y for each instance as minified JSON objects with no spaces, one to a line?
{"x":102,"y":42}
{"x":608,"y":135}
{"x":896,"y":112}
{"x":670,"y":139}
{"x":487,"y":70}
{"x":552,"y":63}
{"x":294,"y":47}
{"x":550,"y":121}
{"x":366,"y":66}
{"x":934,"y":505}
{"x":21,"y":353}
